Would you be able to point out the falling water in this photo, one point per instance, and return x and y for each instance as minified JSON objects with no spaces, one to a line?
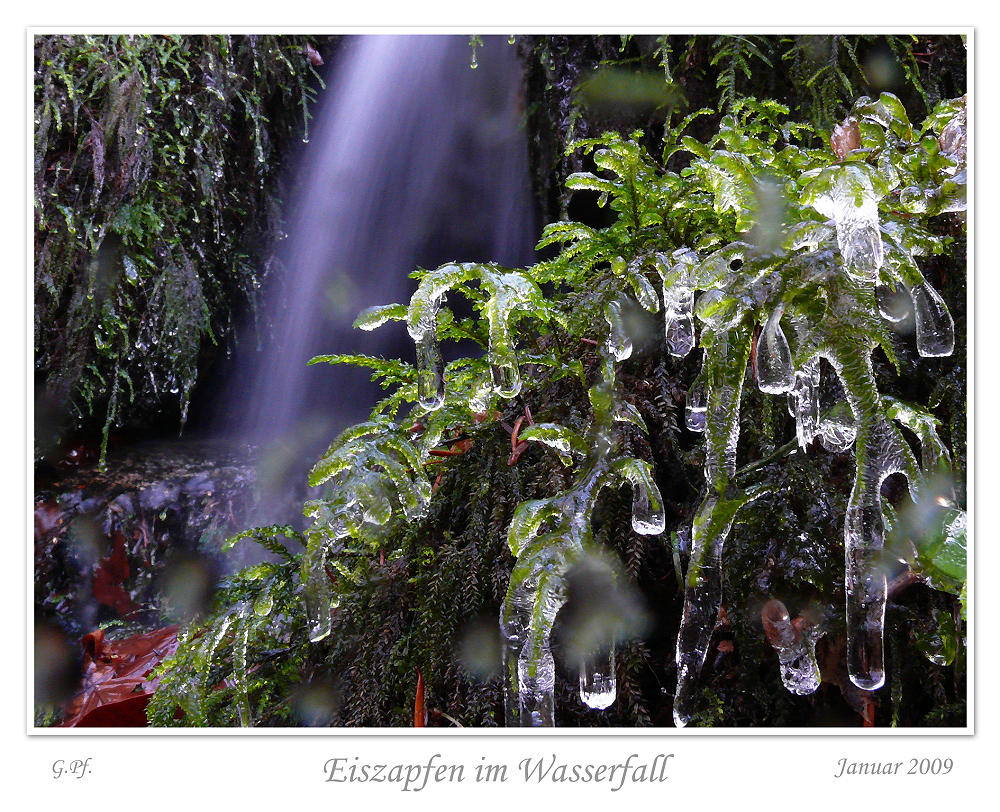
{"x":415,"y":160}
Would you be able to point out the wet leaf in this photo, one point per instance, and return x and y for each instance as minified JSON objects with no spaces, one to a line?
{"x":116,"y":682}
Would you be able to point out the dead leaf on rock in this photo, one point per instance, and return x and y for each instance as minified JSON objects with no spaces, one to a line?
{"x":109,"y":577}
{"x":116,"y":679}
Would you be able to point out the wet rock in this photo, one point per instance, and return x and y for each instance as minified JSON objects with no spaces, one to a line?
{"x":159,"y":496}
{"x":104,"y":540}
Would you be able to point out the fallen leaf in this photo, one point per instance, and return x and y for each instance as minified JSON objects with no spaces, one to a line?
{"x":110,"y":574}
{"x":116,"y":684}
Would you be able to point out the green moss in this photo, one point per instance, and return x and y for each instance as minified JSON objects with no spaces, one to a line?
{"x":404,"y":593}
{"x":155,"y":185}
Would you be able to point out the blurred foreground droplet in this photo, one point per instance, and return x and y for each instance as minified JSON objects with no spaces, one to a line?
{"x":479,"y":647}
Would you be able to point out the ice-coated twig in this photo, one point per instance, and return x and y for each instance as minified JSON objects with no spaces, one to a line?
{"x":509,"y":294}
{"x":726,"y":355}
{"x":370,"y":470}
{"x":547,"y":536}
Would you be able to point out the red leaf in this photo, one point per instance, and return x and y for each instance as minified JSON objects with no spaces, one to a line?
{"x":846,"y":137}
{"x":109,"y":576}
{"x":116,"y":687}
{"x":419,"y":714}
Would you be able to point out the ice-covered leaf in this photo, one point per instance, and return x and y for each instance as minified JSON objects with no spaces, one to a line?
{"x":374,"y":317}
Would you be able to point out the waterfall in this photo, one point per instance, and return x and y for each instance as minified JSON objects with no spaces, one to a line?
{"x":416,"y":158}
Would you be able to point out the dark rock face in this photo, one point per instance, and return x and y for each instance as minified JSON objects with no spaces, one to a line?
{"x":141,"y":540}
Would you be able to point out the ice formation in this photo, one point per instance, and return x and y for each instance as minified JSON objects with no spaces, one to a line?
{"x":823,"y":290}
{"x":838,"y":321}
{"x":849,"y":196}
{"x":618,"y":344}
{"x":880,"y":449}
{"x":727,"y":350}
{"x":695,"y":406}
{"x":430,"y":374}
{"x":950,"y":195}
{"x":795,"y":642}
{"x":775,"y":374}
{"x":598,"y":684}
{"x":803,"y":402}
{"x":676,"y":275}
{"x":538,"y":586}
{"x":935,"y":328}
{"x":373,"y":468}
{"x":507,"y":294}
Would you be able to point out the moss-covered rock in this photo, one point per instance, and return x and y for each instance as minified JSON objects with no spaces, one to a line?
{"x":157,"y":190}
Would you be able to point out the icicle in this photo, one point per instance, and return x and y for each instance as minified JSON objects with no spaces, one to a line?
{"x":537,"y":678}
{"x":430,"y":377}
{"x":702,"y":595}
{"x":537,"y":589}
{"x":881,"y":452}
{"x":935,"y":328}
{"x":775,"y":374}
{"x":851,"y":201}
{"x":317,"y":593}
{"x":536,"y":669}
{"x":647,"y":514}
{"x":422,"y":327}
{"x":678,"y":300}
{"x":725,"y":363}
{"x":509,"y":292}
{"x":618,"y":344}
{"x":796,"y":647}
{"x":647,"y":506}
{"x":515,"y":615}
{"x":803,"y":402}
{"x":866,"y":595}
{"x":695,"y":409}
{"x":858,"y":230}
{"x":510,"y":652}
{"x":702,"y":601}
{"x":678,"y":323}
{"x":598,"y":683}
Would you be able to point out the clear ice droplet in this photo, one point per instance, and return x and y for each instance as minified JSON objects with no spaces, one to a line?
{"x":935,"y":327}
{"x":506,"y":379}
{"x":598,"y":684}
{"x":696,"y":407}
{"x":775,"y":374}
